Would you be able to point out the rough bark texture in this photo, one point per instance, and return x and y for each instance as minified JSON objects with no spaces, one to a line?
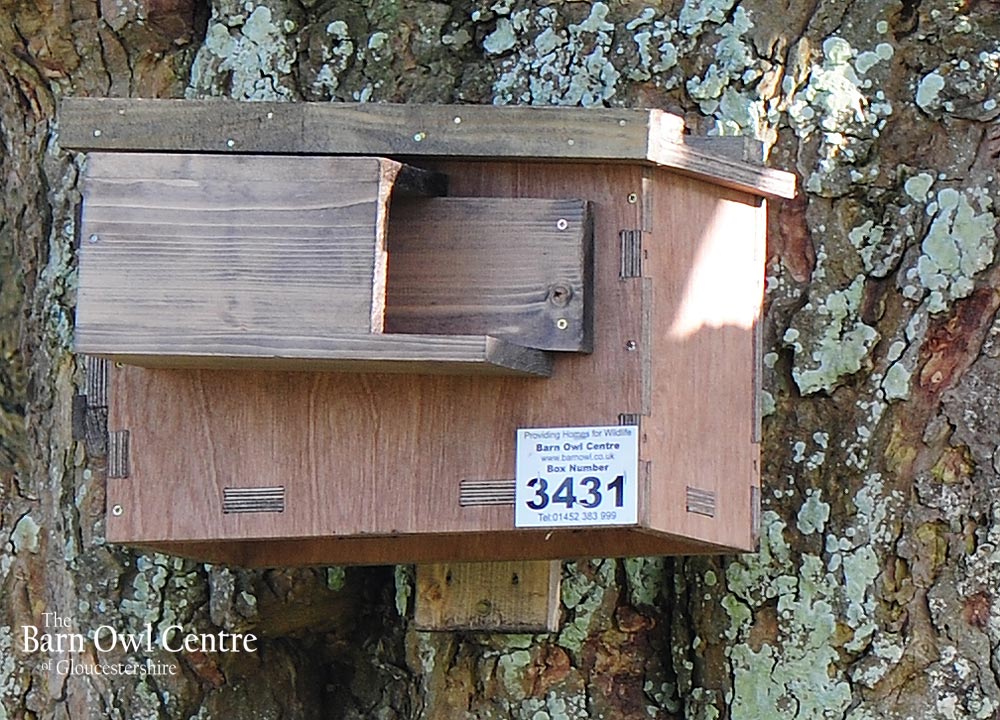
{"x":873,"y":595}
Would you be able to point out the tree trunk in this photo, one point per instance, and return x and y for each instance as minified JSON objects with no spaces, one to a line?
{"x":873,"y":593}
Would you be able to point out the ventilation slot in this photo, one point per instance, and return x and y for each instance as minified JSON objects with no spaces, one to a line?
{"x":486,"y":492}
{"x":629,"y":419}
{"x":251,"y":500}
{"x":118,"y":459}
{"x":96,"y":382}
{"x":701,"y":502}
{"x":631,"y":253}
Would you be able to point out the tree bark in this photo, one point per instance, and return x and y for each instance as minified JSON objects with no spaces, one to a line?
{"x":873,"y":595}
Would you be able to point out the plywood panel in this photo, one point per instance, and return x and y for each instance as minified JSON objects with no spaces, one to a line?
{"x":375,"y":454}
{"x":705,"y":264}
{"x":517,"y":268}
{"x":431,"y":548}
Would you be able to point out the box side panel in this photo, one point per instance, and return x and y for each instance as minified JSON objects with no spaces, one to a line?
{"x":373,"y":454}
{"x":705,"y":261}
{"x":179,"y":249}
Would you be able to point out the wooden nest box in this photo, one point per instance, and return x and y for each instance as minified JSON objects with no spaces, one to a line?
{"x":321,"y":329}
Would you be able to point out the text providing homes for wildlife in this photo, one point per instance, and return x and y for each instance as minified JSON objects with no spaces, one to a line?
{"x":568,"y":477}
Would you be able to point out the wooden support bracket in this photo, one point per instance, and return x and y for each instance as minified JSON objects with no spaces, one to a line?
{"x":515,"y":597}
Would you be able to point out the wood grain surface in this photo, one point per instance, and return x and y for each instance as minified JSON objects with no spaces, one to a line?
{"x":233,"y":247}
{"x":506,"y":596}
{"x":376,"y":454}
{"x":651,"y":137}
{"x":516,"y":268}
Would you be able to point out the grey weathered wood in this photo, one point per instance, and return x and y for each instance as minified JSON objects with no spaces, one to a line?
{"x":531,"y":133}
{"x":370,"y":353}
{"x":518,"y":268}
{"x":199,"y":245}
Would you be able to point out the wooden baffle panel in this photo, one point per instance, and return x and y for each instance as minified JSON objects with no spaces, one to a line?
{"x":321,"y":326}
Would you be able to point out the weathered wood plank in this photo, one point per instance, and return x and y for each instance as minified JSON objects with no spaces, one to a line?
{"x":197,"y":245}
{"x":494,"y":597}
{"x":369,"y":353}
{"x":520,"y":269}
{"x":650,"y":137}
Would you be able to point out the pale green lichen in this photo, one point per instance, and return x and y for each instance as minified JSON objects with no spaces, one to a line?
{"x":928,"y":89}
{"x":25,"y":535}
{"x":567,"y":67}
{"x":918,"y":186}
{"x":254,"y":54}
{"x":403,"y":575}
{"x":501,"y":39}
{"x":584,"y":596}
{"x":799,"y":672}
{"x":510,"y":671}
{"x":896,"y":384}
{"x":813,"y":514}
{"x":959,"y":244}
{"x":644,"y":577}
{"x":837,"y":341}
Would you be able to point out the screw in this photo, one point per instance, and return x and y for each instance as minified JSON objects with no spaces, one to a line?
{"x":559,"y":295}
{"x":117,"y":510}
{"x":93,"y":238}
{"x":97,"y":133}
{"x":562,"y":224}
{"x":270,"y":116}
{"x":119,"y":365}
{"x":621,"y":123}
{"x":633,"y":198}
{"x":418,"y":137}
{"x":457,"y":120}
{"x":631,"y":345}
{"x":230,"y":143}
{"x":562,"y":323}
{"x":571,"y":142}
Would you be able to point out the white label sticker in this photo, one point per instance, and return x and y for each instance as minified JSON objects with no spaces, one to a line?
{"x":568,"y":477}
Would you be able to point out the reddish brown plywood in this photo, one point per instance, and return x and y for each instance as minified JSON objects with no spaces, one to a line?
{"x":705,"y":259}
{"x":370,"y":454}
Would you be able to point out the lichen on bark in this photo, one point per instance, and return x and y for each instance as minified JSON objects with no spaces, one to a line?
{"x":873,"y":595}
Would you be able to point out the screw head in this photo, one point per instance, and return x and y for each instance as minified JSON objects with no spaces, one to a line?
{"x":457,"y":120}
{"x":559,"y":295}
{"x":117,"y":510}
{"x":97,"y":133}
{"x":562,"y":323}
{"x":571,"y":142}
{"x":631,"y":345}
{"x":93,"y":238}
{"x":230,"y":142}
{"x":419,"y":137}
{"x":633,"y":198}
{"x":562,"y":224}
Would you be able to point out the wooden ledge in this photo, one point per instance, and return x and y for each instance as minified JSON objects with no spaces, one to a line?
{"x":650,"y":137}
{"x":388,"y":353}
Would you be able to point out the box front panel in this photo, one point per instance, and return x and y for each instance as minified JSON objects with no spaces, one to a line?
{"x":374,"y":454}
